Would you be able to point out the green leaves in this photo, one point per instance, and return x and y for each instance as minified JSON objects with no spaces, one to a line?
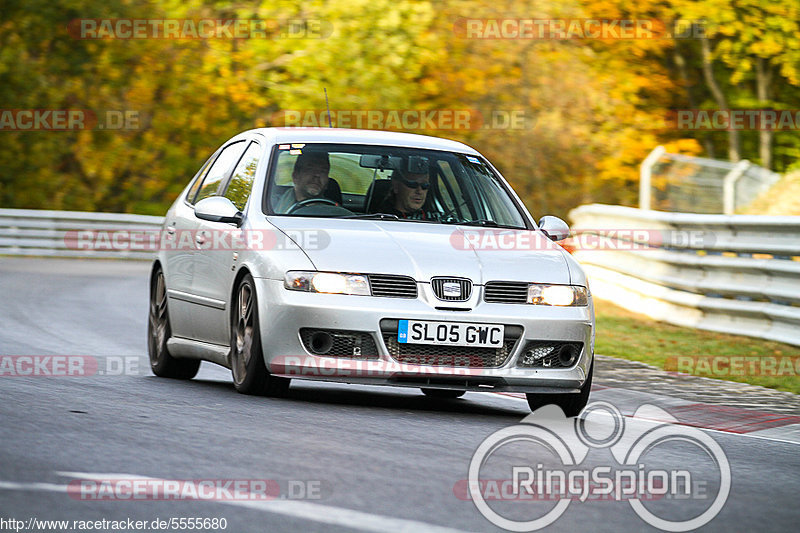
{"x":592,"y":108}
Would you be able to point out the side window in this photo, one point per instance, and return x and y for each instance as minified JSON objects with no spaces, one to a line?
{"x":219,"y":170}
{"x":200,"y":176}
{"x":241,"y":183}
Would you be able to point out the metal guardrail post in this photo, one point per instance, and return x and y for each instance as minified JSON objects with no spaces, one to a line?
{"x":646,"y":175}
{"x":729,"y":186}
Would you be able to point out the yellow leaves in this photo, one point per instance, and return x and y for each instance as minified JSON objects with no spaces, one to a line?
{"x":782,"y":199}
{"x":684,"y":146}
{"x":593,"y":109}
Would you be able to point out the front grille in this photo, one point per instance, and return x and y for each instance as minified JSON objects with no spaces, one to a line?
{"x":455,"y":356}
{"x":339,"y":343}
{"x":549,"y":354}
{"x":464,"y":289}
{"x":506,"y":292}
{"x":392,"y":286}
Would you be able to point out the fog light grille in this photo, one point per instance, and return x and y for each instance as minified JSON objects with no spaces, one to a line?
{"x":549,"y":354}
{"x":339,"y":343}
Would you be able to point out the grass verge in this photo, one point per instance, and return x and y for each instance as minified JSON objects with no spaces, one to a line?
{"x":621,"y":333}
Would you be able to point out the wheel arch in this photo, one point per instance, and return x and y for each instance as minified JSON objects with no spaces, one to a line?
{"x":156,"y":266}
{"x":243,"y":271}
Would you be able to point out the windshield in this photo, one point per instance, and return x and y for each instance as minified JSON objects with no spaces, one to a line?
{"x":386,"y":182}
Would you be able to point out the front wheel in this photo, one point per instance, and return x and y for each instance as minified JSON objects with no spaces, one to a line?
{"x":572,"y":403}
{"x":250,"y":375}
{"x":158,"y":333}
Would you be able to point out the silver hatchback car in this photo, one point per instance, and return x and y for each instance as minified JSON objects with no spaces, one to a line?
{"x":368,"y":257}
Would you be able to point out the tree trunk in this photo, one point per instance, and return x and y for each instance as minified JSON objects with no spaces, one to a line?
{"x":680,"y":62}
{"x":734,"y":150}
{"x":764,"y":90}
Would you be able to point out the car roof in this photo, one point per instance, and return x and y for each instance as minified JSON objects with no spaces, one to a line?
{"x":354,"y":136}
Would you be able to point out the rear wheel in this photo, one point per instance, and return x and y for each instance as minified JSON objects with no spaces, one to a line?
{"x":443,"y":393}
{"x":572,"y":403}
{"x":250,"y":375}
{"x":158,"y":333}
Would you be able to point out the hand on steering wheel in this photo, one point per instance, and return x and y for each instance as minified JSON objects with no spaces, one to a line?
{"x":309,"y":201}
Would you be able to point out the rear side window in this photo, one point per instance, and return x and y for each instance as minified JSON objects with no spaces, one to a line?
{"x":219,"y":170}
{"x":241,"y":183}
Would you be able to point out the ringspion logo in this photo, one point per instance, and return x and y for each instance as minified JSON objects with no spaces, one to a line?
{"x":542,"y":459}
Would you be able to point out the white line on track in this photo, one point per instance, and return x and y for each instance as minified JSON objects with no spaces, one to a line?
{"x":326,"y":514}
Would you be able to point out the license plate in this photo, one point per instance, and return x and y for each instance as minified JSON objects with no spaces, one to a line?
{"x":450,"y":333}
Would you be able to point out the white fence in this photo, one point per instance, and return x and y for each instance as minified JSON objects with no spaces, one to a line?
{"x":56,"y":233}
{"x":680,"y":183}
{"x":735,"y":274}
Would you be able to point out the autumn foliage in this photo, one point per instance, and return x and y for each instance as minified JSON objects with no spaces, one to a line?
{"x":567,"y":120}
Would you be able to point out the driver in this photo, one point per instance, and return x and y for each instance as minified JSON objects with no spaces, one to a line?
{"x":310,"y":177}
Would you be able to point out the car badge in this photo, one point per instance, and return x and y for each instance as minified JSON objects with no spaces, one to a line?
{"x":451,"y":289}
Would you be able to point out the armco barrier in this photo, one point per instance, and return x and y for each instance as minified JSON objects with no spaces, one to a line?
{"x":48,"y":233}
{"x":729,"y":273}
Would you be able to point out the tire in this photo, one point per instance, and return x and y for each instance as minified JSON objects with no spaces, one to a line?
{"x":250,"y":375}
{"x":158,"y":333}
{"x":572,"y":404}
{"x":443,"y":393}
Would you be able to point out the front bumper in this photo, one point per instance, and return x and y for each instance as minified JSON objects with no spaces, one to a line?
{"x":283,"y":313}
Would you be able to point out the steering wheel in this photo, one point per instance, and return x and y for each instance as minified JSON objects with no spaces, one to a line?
{"x":309,"y":201}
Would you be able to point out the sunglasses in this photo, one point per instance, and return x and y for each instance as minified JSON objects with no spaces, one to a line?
{"x":414,"y":184}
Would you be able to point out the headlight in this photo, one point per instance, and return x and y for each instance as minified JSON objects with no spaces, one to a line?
{"x":559,"y":295}
{"x":327,"y":282}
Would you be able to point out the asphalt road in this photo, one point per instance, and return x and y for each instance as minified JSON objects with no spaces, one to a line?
{"x":367,"y":458}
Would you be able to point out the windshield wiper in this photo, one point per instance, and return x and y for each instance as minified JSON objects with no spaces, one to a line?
{"x":374,"y":216}
{"x":480,"y":222}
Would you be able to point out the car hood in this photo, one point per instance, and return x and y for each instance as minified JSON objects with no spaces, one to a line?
{"x":423,"y":250}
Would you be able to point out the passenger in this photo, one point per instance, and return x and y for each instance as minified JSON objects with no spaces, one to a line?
{"x":408,"y":196}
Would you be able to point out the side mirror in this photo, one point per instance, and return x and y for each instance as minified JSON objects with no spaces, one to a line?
{"x":555,"y":228}
{"x":218,"y":209}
